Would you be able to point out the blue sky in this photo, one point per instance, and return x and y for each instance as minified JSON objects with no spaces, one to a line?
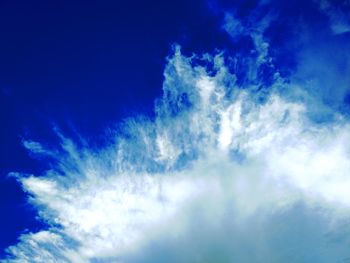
{"x":151,"y":131}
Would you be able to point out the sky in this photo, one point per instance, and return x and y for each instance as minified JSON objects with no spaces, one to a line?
{"x":175,"y":131}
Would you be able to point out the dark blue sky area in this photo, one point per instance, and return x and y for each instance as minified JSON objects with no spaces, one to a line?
{"x":82,"y":65}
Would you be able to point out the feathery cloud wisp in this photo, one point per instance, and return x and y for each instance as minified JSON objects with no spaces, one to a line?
{"x":226,"y":172}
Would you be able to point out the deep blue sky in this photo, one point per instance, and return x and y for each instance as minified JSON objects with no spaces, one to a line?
{"x":82,"y":65}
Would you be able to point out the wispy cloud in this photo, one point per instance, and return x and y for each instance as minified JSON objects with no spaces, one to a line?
{"x":226,"y":172}
{"x":337,"y":14}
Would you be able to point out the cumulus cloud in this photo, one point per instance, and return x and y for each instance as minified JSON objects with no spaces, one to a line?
{"x":226,"y":172}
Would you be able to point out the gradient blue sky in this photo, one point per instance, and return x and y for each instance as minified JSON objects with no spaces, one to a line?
{"x":86,"y":66}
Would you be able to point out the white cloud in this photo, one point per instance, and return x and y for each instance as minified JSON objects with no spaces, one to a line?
{"x":218,"y":169}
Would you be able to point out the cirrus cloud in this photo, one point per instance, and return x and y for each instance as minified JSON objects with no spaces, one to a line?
{"x":226,"y":172}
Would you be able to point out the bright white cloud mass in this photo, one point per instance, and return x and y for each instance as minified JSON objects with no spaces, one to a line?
{"x":225,"y":172}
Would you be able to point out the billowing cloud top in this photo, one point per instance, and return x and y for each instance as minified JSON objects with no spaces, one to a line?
{"x":240,"y":164}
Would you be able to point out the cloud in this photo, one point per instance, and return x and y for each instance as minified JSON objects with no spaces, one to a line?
{"x":226,"y":172}
{"x":337,"y":14}
{"x":218,"y":156}
{"x":294,"y":41}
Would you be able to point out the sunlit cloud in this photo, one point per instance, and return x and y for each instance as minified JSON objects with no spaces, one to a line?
{"x":226,"y":172}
